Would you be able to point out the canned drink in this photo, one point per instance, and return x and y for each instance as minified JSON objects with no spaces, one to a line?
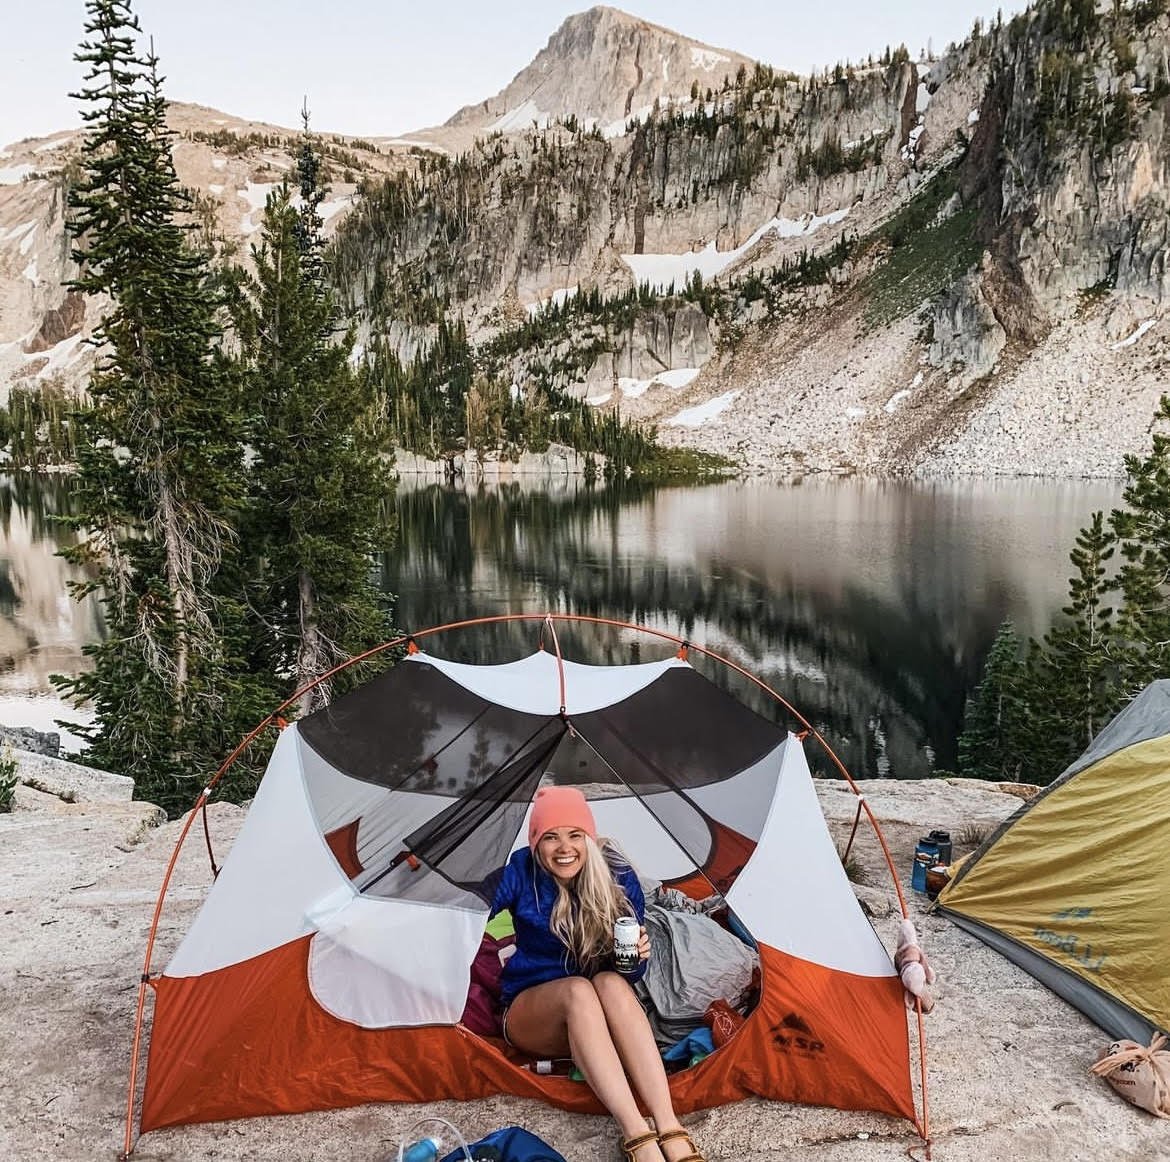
{"x":626,"y":933}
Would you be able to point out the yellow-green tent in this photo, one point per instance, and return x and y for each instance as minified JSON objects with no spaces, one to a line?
{"x":1075,"y":886}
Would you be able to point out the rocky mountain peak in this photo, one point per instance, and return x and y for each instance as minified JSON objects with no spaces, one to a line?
{"x":602,"y":66}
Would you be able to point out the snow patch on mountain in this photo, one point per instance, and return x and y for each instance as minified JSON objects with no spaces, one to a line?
{"x":1130,"y":340}
{"x":13,"y":174}
{"x":679,"y":378}
{"x":60,"y":356}
{"x":557,"y":299}
{"x":697,"y":416}
{"x":256,"y":195}
{"x":14,"y":232}
{"x":706,"y":58}
{"x":326,"y":210}
{"x":622,"y":125}
{"x":663,"y":271}
{"x":521,"y":117}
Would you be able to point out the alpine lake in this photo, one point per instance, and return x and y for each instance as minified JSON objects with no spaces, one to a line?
{"x":867,"y":604}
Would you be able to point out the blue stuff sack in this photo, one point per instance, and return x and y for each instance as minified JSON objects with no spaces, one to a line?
{"x":696,"y":1043}
{"x":510,"y":1144}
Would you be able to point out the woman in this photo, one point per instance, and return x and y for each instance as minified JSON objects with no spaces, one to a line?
{"x":560,"y":994}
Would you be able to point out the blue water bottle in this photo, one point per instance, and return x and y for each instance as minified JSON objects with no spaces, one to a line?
{"x":425,"y":1151}
{"x":925,"y":856}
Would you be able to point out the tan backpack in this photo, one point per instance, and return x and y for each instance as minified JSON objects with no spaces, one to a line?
{"x":1141,"y":1075}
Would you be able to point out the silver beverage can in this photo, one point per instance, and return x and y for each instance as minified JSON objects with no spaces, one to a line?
{"x":626,"y":933}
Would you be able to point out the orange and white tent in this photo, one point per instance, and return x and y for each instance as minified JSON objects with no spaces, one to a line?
{"x":329,"y":964}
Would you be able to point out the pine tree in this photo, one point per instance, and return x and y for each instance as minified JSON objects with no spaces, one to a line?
{"x":317,"y":517}
{"x":1116,"y":634}
{"x":994,"y":717}
{"x":1073,"y":681}
{"x":1143,"y":531}
{"x":159,"y":451}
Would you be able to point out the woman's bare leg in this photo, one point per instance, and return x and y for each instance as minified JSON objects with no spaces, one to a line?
{"x":634,"y":1040}
{"x":566,"y":1016}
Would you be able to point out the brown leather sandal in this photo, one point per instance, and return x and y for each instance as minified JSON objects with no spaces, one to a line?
{"x":631,"y":1146}
{"x":674,"y":1135}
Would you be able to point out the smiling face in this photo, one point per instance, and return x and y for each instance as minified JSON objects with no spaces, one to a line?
{"x":561,"y":851}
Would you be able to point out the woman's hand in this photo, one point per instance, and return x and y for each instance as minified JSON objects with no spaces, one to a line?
{"x":643,"y":944}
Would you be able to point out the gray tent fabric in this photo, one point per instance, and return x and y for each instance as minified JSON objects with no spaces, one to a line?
{"x":1144,"y":718}
{"x":695,"y":962}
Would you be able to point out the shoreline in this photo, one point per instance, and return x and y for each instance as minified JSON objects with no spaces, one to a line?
{"x":533,"y":468}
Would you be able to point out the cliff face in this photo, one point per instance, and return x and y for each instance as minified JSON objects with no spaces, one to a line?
{"x":531,"y":214}
{"x":956,"y":266}
{"x":41,"y":324}
{"x":1053,"y":328}
{"x":946,"y":266}
{"x":1070,"y":159}
{"x":229,"y":164}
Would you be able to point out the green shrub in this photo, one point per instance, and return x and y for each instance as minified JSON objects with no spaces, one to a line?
{"x":8,"y":779}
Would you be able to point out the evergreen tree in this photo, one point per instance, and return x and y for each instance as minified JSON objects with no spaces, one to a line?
{"x":159,"y":472}
{"x":1072,"y":685}
{"x":1116,"y":634}
{"x":1143,"y":531}
{"x":994,"y":716}
{"x":318,"y":512}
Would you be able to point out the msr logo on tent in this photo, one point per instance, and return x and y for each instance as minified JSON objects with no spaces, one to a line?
{"x":793,"y":1035}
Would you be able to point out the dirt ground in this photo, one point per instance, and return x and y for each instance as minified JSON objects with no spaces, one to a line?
{"x":1007,"y":1060}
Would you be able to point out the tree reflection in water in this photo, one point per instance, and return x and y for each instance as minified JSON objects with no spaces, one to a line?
{"x":42,"y":630}
{"x":869,"y":605}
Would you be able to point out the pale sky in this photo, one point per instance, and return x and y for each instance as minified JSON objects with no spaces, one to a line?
{"x":389,"y":66}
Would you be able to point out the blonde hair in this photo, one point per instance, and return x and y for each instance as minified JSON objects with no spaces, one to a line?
{"x":584,"y":913}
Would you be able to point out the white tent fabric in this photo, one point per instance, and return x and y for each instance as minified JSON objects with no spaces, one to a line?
{"x":381,"y":963}
{"x":743,"y":800}
{"x":794,"y":894}
{"x":532,"y":685}
{"x":281,"y":882}
{"x":638,"y":833}
{"x":278,"y":868}
{"x":381,"y":832}
{"x":737,"y":802}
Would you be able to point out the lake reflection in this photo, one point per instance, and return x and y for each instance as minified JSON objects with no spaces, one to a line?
{"x":42,"y":629}
{"x":868,"y":604}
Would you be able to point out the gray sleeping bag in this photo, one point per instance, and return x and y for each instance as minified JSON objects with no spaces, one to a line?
{"x":693,"y":961}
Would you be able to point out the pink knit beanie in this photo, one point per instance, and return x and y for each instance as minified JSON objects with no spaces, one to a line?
{"x":559,"y":807}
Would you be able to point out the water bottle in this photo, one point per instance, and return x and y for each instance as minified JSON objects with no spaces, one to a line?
{"x":925,"y":856}
{"x":426,"y":1150}
{"x":943,"y":839}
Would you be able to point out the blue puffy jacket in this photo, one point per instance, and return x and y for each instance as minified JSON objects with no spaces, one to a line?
{"x":529,"y":892}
